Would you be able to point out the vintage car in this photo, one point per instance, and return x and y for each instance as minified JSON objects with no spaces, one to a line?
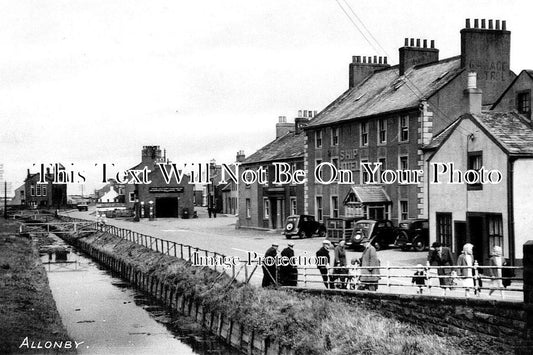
{"x":382,"y":233}
{"x":303,"y":226}
{"x":340,"y":228}
{"x":82,"y":207}
{"x":413,"y":234}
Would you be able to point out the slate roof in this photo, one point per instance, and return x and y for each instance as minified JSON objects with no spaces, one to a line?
{"x":513,"y":131}
{"x":387,"y":91}
{"x":288,"y":146}
{"x":510,"y":130}
{"x":370,"y":193}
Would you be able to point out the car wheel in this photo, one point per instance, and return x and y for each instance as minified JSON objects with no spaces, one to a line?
{"x":302,"y":234}
{"x":419,"y":244}
{"x":322,"y":233}
{"x":377,"y":245}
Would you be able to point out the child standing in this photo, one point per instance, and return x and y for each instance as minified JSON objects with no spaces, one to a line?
{"x":419,"y":278}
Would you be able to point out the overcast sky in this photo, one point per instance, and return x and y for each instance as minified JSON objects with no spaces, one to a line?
{"x":85,"y":81}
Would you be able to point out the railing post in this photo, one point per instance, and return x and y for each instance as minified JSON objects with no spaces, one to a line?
{"x":476,"y":277}
{"x":388,"y":274}
{"x":305,"y":275}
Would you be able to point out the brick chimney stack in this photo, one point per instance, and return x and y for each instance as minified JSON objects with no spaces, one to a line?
{"x":303,"y":118}
{"x":412,"y":54}
{"x":240,"y":156}
{"x":486,"y":50}
{"x":362,"y":67}
{"x":283,"y":127}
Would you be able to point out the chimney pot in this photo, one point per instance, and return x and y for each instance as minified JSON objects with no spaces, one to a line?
{"x":299,"y":113}
{"x":418,"y":42}
{"x":467,"y":23}
{"x":412,"y":42}
{"x":497,"y":24}
{"x":432,"y":43}
{"x":483,"y":23}
{"x":490,"y":24}
{"x":375,"y":59}
{"x":358,"y":59}
{"x":364,"y":59}
{"x":425,"y":43}
{"x":472,"y":80}
{"x":380,"y":60}
{"x":504,"y":25}
{"x":384,"y":60}
{"x":406,"y":43}
{"x":476,"y":23}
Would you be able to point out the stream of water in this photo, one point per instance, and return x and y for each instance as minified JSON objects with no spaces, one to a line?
{"x":110,"y":316}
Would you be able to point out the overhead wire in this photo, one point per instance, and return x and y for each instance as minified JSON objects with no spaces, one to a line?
{"x":410,"y":85}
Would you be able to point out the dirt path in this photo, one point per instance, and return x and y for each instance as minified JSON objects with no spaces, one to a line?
{"x":29,"y":321}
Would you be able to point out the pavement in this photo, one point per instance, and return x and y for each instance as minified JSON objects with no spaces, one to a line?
{"x":220,"y":235}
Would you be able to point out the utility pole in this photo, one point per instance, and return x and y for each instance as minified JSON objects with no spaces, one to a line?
{"x":5,"y":199}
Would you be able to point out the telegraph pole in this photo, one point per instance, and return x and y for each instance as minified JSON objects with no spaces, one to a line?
{"x":5,"y":199}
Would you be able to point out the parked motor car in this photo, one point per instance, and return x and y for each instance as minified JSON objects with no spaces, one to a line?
{"x":82,"y":207}
{"x":341,"y":228}
{"x":382,"y":233}
{"x":303,"y":226}
{"x":413,"y":234}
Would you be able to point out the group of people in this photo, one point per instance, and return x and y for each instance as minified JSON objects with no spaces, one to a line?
{"x":369,"y":262}
{"x":462,"y":272}
{"x":337,"y":274}
{"x":275,"y":274}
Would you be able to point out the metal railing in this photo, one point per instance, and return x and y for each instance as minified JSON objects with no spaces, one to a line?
{"x":242,"y":272}
{"x":402,"y":279}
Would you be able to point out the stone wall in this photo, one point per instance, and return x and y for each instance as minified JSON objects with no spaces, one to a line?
{"x":492,"y":322}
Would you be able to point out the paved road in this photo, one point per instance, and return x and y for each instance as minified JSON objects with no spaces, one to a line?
{"x":220,"y":235}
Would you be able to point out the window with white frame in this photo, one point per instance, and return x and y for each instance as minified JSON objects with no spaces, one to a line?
{"x":364,"y":133}
{"x":293,"y":206}
{"x":403,"y":162}
{"x":318,"y":208}
{"x":38,"y":190}
{"x":43,"y":190}
{"x":334,"y":206}
{"x":334,"y":136}
{"x":318,"y":138}
{"x":365,"y":176}
{"x":266,"y":208}
{"x":32,"y":189}
{"x":404,"y":128}
{"x":382,"y":131}
{"x":404,"y":210}
{"x":248,"y":208}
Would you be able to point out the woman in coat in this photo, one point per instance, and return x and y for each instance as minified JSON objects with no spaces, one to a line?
{"x":495,"y":273}
{"x":369,"y":276}
{"x":465,"y":262}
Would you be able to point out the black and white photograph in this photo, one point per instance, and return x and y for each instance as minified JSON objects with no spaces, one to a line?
{"x":266,"y":177}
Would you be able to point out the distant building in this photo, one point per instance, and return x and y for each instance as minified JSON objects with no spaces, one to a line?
{"x":19,"y":199}
{"x":267,"y":206}
{"x":111,"y":192}
{"x":166,"y":200}
{"x":44,"y":194}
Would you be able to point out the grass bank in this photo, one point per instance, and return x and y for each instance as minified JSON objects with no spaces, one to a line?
{"x":28,"y":310}
{"x":307,"y":324}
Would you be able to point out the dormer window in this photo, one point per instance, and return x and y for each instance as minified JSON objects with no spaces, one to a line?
{"x":523,"y":103}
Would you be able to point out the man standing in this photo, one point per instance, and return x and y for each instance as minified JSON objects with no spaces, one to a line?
{"x":441,"y":256}
{"x":288,"y":274}
{"x":270,"y":274}
{"x":370,"y":267}
{"x":339,"y":263}
{"x":323,"y":262}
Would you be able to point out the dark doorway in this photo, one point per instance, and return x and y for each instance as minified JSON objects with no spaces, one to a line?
{"x":273,"y":213}
{"x":460,"y":236}
{"x":166,"y":207}
{"x":476,"y":232}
